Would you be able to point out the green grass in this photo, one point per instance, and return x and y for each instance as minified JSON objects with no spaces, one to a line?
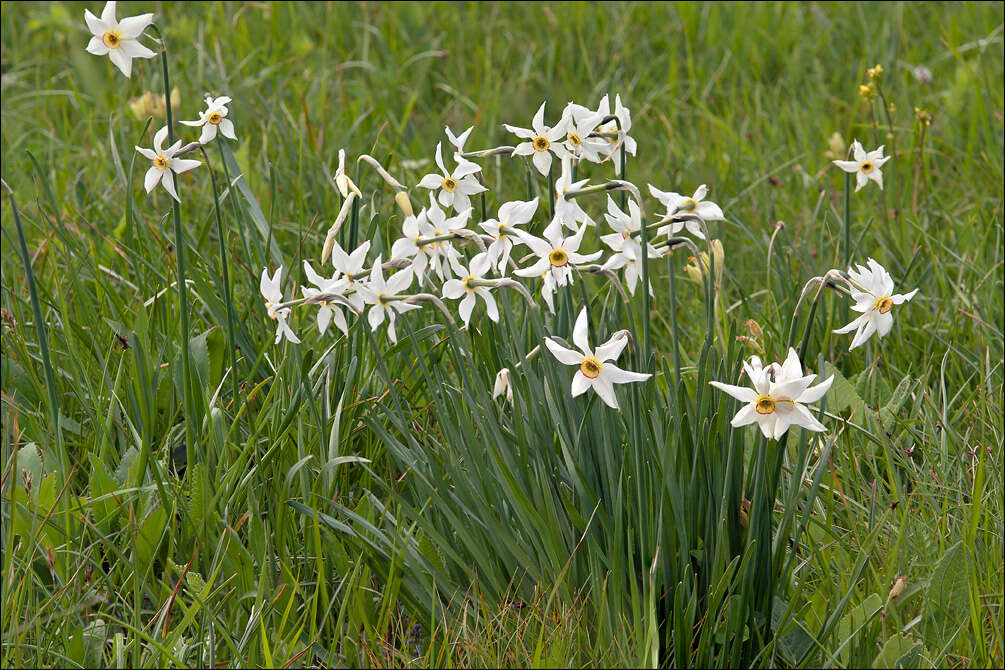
{"x":346,"y":491}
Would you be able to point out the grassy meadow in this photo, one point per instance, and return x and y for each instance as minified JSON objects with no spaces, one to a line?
{"x":351,"y":501}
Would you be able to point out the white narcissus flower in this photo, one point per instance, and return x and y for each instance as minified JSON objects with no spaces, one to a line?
{"x":119,"y":40}
{"x":555,"y":253}
{"x":595,"y":369}
{"x":503,"y":386}
{"x":872,"y":291}
{"x":458,"y":140}
{"x":382,"y":295}
{"x":349,"y":265}
{"x":503,"y":230}
{"x":567,"y":209}
{"x":778,"y":397}
{"x":413,"y":229}
{"x":213,"y":119}
{"x":579,"y":122}
{"x":334,"y":287}
{"x":273,"y":294}
{"x":456,"y":288}
{"x":616,"y":145}
{"x":866,"y":166}
{"x":628,"y":249}
{"x":164,"y":165}
{"x":457,"y":187}
{"x":695,"y":206}
{"x":442,"y":254}
{"x":543,"y":142}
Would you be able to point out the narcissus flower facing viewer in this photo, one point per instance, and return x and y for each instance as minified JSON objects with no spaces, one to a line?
{"x":118,"y":39}
{"x":503,"y":230}
{"x":164,"y":165}
{"x":555,"y":253}
{"x":455,"y":188}
{"x":273,"y":294}
{"x":872,"y":291}
{"x":866,"y":166}
{"x":778,"y":398}
{"x":595,"y":369}
{"x":542,"y":142}
{"x":213,"y":119}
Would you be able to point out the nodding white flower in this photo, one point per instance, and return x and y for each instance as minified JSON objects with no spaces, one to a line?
{"x":503,"y":230}
{"x":628,"y":249}
{"x":682,"y":206}
{"x":555,"y":253}
{"x":458,"y":140}
{"x":502,"y":386}
{"x":349,"y":265}
{"x":866,"y":166}
{"x":567,"y":210}
{"x":443,"y":254}
{"x":455,"y":188}
{"x":872,"y":291}
{"x":543,"y":142}
{"x":414,"y":229}
{"x":164,"y":165}
{"x":778,"y":397}
{"x":273,"y":294}
{"x":595,"y":369}
{"x":579,"y":123}
{"x":382,"y":294}
{"x":334,"y":287}
{"x":455,"y":288}
{"x":616,"y":144}
{"x":119,"y":40}
{"x":213,"y":119}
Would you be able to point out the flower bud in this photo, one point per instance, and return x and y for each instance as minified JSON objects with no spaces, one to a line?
{"x":898,"y":587}
{"x":401,"y":197}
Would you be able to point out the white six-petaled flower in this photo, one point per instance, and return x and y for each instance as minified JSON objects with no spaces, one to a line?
{"x":555,"y":253}
{"x":466,"y":289}
{"x":580,"y":123}
{"x":688,"y":210}
{"x":542,"y":142}
{"x":327,"y":294}
{"x":164,"y":165}
{"x":596,"y":370}
{"x":627,"y":248}
{"x":119,"y":40}
{"x":616,"y":142}
{"x":385,"y":296}
{"x":213,"y":119}
{"x":778,"y":398}
{"x":872,"y":291}
{"x":408,"y":247}
{"x":273,"y":294}
{"x":866,"y":166}
{"x":457,"y":187}
{"x":567,"y":209}
{"x":503,"y":230}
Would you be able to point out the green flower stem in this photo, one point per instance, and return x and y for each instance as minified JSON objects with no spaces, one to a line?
{"x":228,"y":290}
{"x":190,"y":442}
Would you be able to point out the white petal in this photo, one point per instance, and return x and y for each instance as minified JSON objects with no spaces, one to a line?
{"x":581,"y":332}
{"x":746,"y":416}
{"x":227,"y":128}
{"x":94,"y":24}
{"x":180,"y":165}
{"x":453,"y":289}
{"x":121,"y":61}
{"x":466,"y":307}
{"x":542,"y":161}
{"x":611,"y":373}
{"x":564,"y":356}
{"x":97,"y":47}
{"x":605,"y":390}
{"x":611,"y":349}
{"x":134,"y":49}
{"x":208,"y":134}
{"x":815,"y":393}
{"x":167,"y":179}
{"x":151,"y":178}
{"x":580,"y":383}
{"x":741,"y":393}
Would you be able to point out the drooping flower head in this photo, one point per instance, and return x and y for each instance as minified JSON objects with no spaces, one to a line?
{"x":596,"y":370}
{"x":119,"y":40}
{"x":872,"y":291}
{"x":272,"y":292}
{"x":384,"y":297}
{"x":627,"y":249}
{"x":778,"y":398}
{"x":465,"y":288}
{"x":327,"y":294}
